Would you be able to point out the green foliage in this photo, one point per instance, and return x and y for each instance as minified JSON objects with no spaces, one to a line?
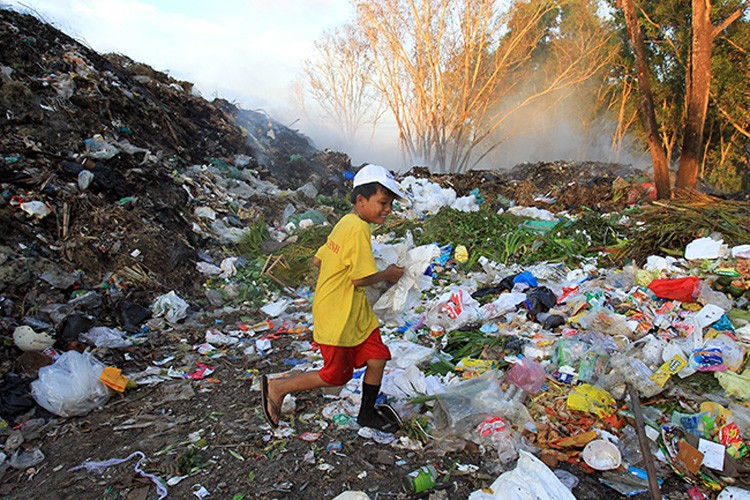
{"x":510,"y":239}
{"x":340,"y":205}
{"x":191,"y":460}
{"x":297,"y":269}
{"x":416,"y":428}
{"x":251,"y":287}
{"x":249,"y":245}
{"x":471,"y":343}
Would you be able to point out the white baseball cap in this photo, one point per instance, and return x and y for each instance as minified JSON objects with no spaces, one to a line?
{"x":381,"y":175}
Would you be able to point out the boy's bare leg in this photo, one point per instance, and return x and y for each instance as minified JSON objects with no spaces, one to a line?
{"x":278,"y":388}
{"x":374,"y":371}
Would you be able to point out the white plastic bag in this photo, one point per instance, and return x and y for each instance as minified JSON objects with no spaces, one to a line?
{"x":453,"y":309}
{"x":102,"y":336}
{"x":171,"y":306}
{"x":407,"y":291}
{"x":405,"y":354}
{"x":530,"y":480}
{"x":71,"y":386}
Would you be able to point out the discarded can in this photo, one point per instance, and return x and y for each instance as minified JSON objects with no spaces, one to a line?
{"x":437,"y":331}
{"x":421,"y":479}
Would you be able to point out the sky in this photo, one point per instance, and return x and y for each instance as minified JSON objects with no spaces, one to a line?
{"x":249,"y":52}
{"x":246,"y":51}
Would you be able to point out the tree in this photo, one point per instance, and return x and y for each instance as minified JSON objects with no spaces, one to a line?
{"x":679,"y":52}
{"x":704,"y":31}
{"x":727,"y":134}
{"x":453,"y":72}
{"x":339,"y":80}
{"x":658,"y":155}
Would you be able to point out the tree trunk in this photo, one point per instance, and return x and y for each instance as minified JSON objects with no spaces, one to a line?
{"x":658,"y":155}
{"x":699,"y":88}
{"x":697,"y":95}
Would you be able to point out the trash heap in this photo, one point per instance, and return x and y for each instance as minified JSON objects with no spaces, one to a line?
{"x":156,"y":252}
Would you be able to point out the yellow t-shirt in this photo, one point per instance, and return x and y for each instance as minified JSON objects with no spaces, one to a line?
{"x":342,"y":316}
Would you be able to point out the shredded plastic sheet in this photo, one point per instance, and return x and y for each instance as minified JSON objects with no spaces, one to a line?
{"x":100,"y":467}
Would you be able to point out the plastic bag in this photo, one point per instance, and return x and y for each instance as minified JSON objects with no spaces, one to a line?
{"x":453,"y":310}
{"x":464,"y":405}
{"x":506,"y":302}
{"x":102,"y":336}
{"x":71,"y":386}
{"x":704,"y":248}
{"x":169,"y":305}
{"x":99,"y":149}
{"x":682,"y":289}
{"x":531,"y":479}
{"x":408,"y":289}
{"x":528,"y":375}
{"x":406,"y":354}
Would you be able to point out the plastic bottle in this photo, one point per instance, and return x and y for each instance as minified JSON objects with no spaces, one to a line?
{"x":635,"y":372}
{"x":419,"y":480}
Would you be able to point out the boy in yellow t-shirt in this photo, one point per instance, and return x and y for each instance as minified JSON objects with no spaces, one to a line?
{"x":344,"y":323}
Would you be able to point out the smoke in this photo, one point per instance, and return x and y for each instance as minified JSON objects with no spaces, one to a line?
{"x":556,"y":127}
{"x":378,"y":144}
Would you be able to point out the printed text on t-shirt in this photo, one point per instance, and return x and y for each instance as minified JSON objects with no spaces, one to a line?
{"x":333,"y":246}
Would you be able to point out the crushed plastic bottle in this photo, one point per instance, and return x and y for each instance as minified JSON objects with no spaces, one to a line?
{"x":636,"y":373}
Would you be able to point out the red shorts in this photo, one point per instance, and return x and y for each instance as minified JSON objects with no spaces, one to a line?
{"x":339,"y":362}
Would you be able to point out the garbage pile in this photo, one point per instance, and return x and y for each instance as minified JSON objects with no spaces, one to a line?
{"x":154,"y":262}
{"x":519,"y":360}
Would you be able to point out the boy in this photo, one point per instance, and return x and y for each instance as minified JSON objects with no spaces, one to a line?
{"x":344,"y":323}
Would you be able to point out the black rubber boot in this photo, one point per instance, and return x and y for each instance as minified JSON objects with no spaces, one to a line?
{"x":368,"y":417}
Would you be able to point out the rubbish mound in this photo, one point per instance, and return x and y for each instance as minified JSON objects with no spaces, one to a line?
{"x":556,"y":186}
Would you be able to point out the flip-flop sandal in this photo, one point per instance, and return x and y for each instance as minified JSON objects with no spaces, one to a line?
{"x":390,"y":415}
{"x":264,"y":402}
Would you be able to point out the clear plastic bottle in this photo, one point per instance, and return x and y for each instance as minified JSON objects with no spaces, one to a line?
{"x":636,"y":373}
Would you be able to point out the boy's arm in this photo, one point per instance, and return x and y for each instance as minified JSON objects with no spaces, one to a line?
{"x":391,"y":273}
{"x":316,"y":262}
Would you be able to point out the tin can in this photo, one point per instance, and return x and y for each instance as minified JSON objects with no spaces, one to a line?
{"x":421,"y":479}
{"x":437,"y":331}
{"x":52,"y":354}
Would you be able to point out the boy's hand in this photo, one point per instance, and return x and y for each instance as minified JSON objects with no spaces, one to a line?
{"x":393,"y":273}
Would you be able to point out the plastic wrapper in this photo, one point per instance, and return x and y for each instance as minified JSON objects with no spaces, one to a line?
{"x":71,"y":386}
{"x":591,"y":399}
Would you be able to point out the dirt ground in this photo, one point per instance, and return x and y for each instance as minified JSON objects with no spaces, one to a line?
{"x":238,"y":454}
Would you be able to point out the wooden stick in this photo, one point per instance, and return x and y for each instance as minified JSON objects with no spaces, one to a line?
{"x":653,"y":483}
